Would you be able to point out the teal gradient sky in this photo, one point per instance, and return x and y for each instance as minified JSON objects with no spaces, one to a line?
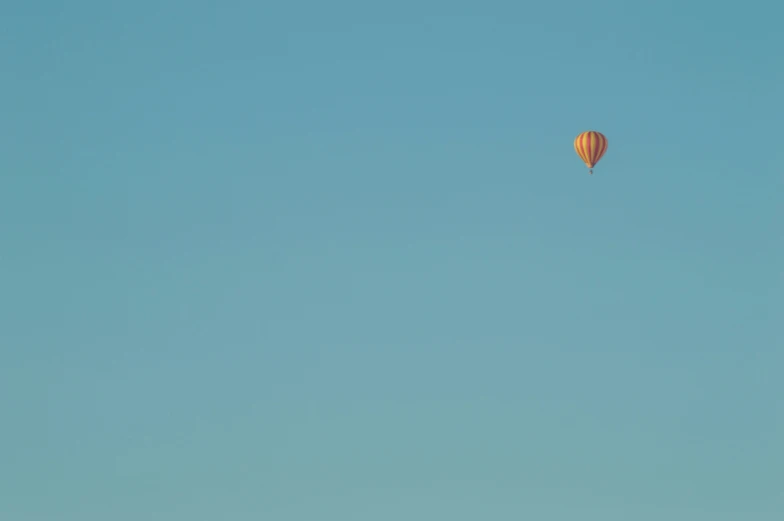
{"x":338,"y":261}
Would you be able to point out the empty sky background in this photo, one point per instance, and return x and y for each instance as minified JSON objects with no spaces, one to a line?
{"x":338,"y":261}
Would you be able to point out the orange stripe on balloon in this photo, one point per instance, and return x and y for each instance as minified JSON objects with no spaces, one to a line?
{"x":590,"y":141}
{"x":600,"y":151}
{"x":584,"y":147}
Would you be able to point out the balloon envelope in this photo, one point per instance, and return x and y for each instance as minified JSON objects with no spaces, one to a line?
{"x":590,"y":146}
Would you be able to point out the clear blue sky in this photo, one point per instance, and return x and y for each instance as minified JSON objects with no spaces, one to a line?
{"x":338,"y":261}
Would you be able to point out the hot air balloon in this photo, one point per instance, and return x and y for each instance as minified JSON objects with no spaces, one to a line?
{"x":590,"y":146}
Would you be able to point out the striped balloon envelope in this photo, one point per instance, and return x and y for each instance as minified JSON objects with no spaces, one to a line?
{"x":590,"y":146}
